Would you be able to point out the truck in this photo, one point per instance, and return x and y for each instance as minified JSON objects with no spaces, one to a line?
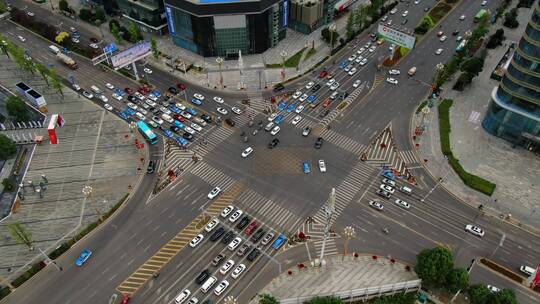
{"x":67,"y":61}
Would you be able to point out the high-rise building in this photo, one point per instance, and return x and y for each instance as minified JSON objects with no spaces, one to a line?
{"x":514,"y":110}
{"x":147,"y":14}
{"x":308,"y":15}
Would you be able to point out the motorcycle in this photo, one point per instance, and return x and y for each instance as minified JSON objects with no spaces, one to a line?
{"x":385,"y":231}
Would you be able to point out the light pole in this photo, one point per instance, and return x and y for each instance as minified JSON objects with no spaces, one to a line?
{"x":230,"y":300}
{"x":219,"y":61}
{"x":332,"y":28}
{"x":348,"y":234}
{"x":132,"y":126}
{"x":87,"y":192}
{"x":434,"y":187}
{"x":283,"y":56}
{"x":329,"y":209}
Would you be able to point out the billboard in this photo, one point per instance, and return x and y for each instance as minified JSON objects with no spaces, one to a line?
{"x":397,"y":37}
{"x":285,"y":13}
{"x":170,"y":20}
{"x":130,"y":55}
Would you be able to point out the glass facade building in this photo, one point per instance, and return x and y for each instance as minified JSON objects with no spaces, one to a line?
{"x":514,"y":110}
{"x":147,"y":14}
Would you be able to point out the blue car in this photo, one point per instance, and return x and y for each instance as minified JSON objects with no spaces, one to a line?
{"x":311,"y":98}
{"x":195,"y":101}
{"x":282,"y":105}
{"x":306,"y":167}
{"x":85,"y":255}
{"x":120,"y":92}
{"x":292,"y":107}
{"x":182,"y":141}
{"x":179,"y":124}
{"x":388,"y":174}
{"x":279,"y":241}
{"x":130,"y":112}
{"x":175,"y":109}
{"x":279,"y":119}
{"x":343,"y":64}
{"x":192,"y":111}
{"x":168,"y":133}
{"x":123,"y":115}
{"x":156,"y":93}
{"x":76,"y":34}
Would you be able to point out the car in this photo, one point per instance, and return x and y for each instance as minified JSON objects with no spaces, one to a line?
{"x":404,"y":21}
{"x":474,"y":230}
{"x":218,"y":99}
{"x":330,"y":82}
{"x":426,"y":8}
{"x":279,"y":119}
{"x":251,"y":228}
{"x":416,"y":1}
{"x":459,"y":38}
{"x":226,"y":267}
{"x":181,"y":86}
{"x":139,"y":115}
{"x":243,"y":249}
{"x":462,"y":17}
{"x":147,"y":70}
{"x":405,"y":13}
{"x":230,"y":122}
{"x":323,"y":74}
{"x":247,"y":152}
{"x":443,"y":38}
{"x":221,"y":287}
{"x":365,"y":60}
{"x":334,"y":86}
{"x":235,"y":216}
{"x":483,"y":3}
{"x":376,"y":205}
{"x":129,"y":91}
{"x":253,"y":254}
{"x":173,"y":90}
{"x":238,"y":271}
{"x":217,"y":234}
{"x":94,"y":40}
{"x":151,"y":167}
{"x":196,"y":101}
{"x":108,"y":107}
{"x":198,"y":96}
{"x":306,"y":131}
{"x":94,"y":46}
{"x":169,"y":119}
{"x":387,"y":188}
{"x":440,"y":33}
{"x":527,"y":270}
{"x":196,"y":127}
{"x":180,"y":298}
{"x":29,"y":13}
{"x":393,"y":11}
{"x":279,"y":87}
{"x":309,"y":85}
{"x":384,"y":18}
{"x":316,"y":88}
{"x":196,"y":240}
{"x":211,"y":225}
{"x":394,"y":72}
{"x":243,"y":222}
{"x":297,"y":94}
{"x":83,"y":257}
{"x":343,"y":64}
{"x":352,"y":57}
{"x":165,"y":110}
{"x":275,"y":130}
{"x":193,"y":300}
{"x":361,"y":50}
{"x":352,"y":71}
{"x":273,"y":143}
{"x":282,"y":105}
{"x":279,"y":242}
{"x":21,"y":38}
{"x":218,"y":259}
{"x":116,"y":96}
{"x":257,"y":235}
{"x":357,"y":83}
{"x":229,"y":236}
{"x":206,"y":118}
{"x":383,"y":193}
{"x":306,"y":168}
{"x":455,"y":32}
{"x":214,"y":192}
{"x":201,"y":278}
{"x":234,"y":244}
{"x":267,"y":238}
{"x":188,"y":129}
{"x":291,"y":107}
{"x":391,"y":80}
{"x":125,"y":299}
{"x":186,"y":115}
{"x":318,"y":143}
{"x":272,"y":116}
{"x":174,"y":128}
{"x":76,"y":87}
{"x":389,"y":182}
{"x":109,"y":86}
{"x":299,"y":109}
{"x":236,"y":110}
{"x":322,"y":166}
{"x":296,"y":120}
{"x":493,"y":288}
{"x":402,"y":203}
{"x":132,"y":106}
{"x":438,"y":51}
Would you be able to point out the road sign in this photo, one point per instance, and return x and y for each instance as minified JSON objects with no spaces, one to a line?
{"x":397,"y":37}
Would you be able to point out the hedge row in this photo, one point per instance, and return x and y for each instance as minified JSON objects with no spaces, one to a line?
{"x":475,"y":182}
{"x":28,"y":274}
{"x":502,"y":270}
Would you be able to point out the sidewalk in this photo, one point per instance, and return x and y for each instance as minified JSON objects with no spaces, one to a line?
{"x":513,"y":170}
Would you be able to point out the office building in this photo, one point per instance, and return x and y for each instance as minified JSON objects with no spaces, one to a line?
{"x":147,"y":14}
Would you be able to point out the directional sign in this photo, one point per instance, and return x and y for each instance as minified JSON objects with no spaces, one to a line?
{"x":397,"y":37}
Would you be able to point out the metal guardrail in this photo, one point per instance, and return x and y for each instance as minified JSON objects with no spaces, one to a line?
{"x":361,"y":293}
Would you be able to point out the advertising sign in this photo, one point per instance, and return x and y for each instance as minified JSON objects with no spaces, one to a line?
{"x":130,"y":55}
{"x":110,"y":48}
{"x":397,"y":37}
{"x":170,"y":20}
{"x":285,"y":13}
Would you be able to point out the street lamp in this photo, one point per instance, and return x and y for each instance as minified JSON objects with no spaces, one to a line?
{"x":219,"y":61}
{"x":230,"y":300}
{"x":433,"y":189}
{"x":348,"y":234}
{"x":283,"y":56}
{"x":332,"y":28}
{"x":87,"y":192}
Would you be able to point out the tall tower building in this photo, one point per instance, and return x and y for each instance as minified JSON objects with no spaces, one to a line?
{"x":514,"y":110}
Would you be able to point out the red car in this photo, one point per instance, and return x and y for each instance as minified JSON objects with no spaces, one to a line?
{"x":327,"y":103}
{"x":323,"y":74}
{"x":128,"y":91}
{"x":125,"y":299}
{"x":181,"y":86}
{"x":144,"y":90}
{"x":179,"y":117}
{"x":251,"y":228}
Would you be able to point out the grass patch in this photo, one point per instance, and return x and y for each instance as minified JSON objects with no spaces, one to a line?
{"x":310,"y":53}
{"x":294,"y":60}
{"x":473,"y":181}
{"x":439,"y":11}
{"x":273,"y":65}
{"x":421,"y":106}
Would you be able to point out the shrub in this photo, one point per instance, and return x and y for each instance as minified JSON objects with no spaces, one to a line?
{"x":28,"y":274}
{"x":502,"y":270}
{"x":8,"y":149}
{"x":423,"y":27}
{"x":9,"y":184}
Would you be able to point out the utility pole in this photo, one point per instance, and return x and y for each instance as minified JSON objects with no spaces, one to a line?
{"x":329,"y":209}
{"x":434,"y":187}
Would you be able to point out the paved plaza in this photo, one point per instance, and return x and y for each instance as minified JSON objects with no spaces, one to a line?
{"x":93,"y":150}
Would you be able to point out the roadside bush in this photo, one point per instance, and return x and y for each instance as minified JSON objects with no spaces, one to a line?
{"x":496,"y":39}
{"x":9,"y":184}
{"x":4,"y":292}
{"x":28,"y":274}
{"x":439,"y":11}
{"x":502,"y":270}
{"x":510,"y":19}
{"x":8,"y":149}
{"x":422,"y":28}
{"x":400,"y":298}
{"x":463,"y":80}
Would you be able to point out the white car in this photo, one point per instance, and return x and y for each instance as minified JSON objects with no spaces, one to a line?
{"x":238,"y":271}
{"x":405,"y":13}
{"x":462,"y":17}
{"x":221,"y":287}
{"x":75,"y":40}
{"x":310,"y":85}
{"x":234,"y":244}
{"x":416,"y":1}
{"x":196,"y":127}
{"x":218,"y":99}
{"x":322,"y":166}
{"x":187,"y":129}
{"x":139,"y":95}
{"x":359,"y":59}
{"x":394,"y":72}
{"x":186,"y":115}
{"x":247,"y":152}
{"x":214,"y":192}
{"x":297,"y":94}
{"x":299,"y":109}
{"x":108,"y":107}
{"x":352,"y":58}
{"x":443,"y":38}
{"x":196,"y":240}
{"x":393,"y":11}
{"x":150,"y":103}
{"x":275,"y":130}
{"x":493,"y":288}
{"x":357,"y":83}
{"x":165,"y":110}
{"x":21,"y":38}
{"x":296,"y":120}
{"x":330,"y":82}
{"x":198,"y":96}
{"x":303,"y":97}
{"x":272,"y":116}
{"x":236,"y":110}
{"x":227,"y":210}
{"x":376,"y":205}
{"x":157,"y":120}
{"x":30,"y":14}
{"x":143,"y":111}
{"x":352,"y":71}
{"x":222,"y":111}
{"x":438,"y":51}
{"x":168,"y":118}
{"x":387,"y":188}
{"x":334,"y":86}
{"x":383,"y":19}
{"x":371,"y":50}
{"x":180,"y":106}
{"x":211,"y":225}
{"x":391,"y":80}
{"x":152,"y":97}
{"x":103,"y":98}
{"x":109,"y":86}
{"x":132,"y":105}
{"x":76,"y":87}
{"x":200,"y":121}
{"x":389,"y":182}
{"x":360,"y":51}
{"x":364,"y":61}
{"x":226,"y":267}
{"x":483,"y":3}
{"x":193,"y":300}
{"x":140,"y":116}
{"x":116,"y":96}
{"x":474,"y":230}
{"x":180,"y":298}
{"x":235,"y":216}
{"x":94,"y":45}
{"x":402,"y":203}
{"x":147,"y":71}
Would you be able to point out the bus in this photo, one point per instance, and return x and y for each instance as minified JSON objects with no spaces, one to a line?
{"x":461,"y":45}
{"x":481,"y":13}
{"x":147,"y":133}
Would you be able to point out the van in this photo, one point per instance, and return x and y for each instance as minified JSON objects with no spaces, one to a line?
{"x":96,"y":89}
{"x":527,"y":270}
{"x":412,"y":71}
{"x":208,"y":284}
{"x":55,"y":50}
{"x":405,"y":190}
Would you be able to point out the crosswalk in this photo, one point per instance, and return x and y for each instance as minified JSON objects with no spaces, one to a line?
{"x":377,"y":81}
{"x":337,"y":110}
{"x":408,"y":157}
{"x":257,"y":101}
{"x":330,"y":247}
{"x":212,"y":175}
{"x":343,"y":141}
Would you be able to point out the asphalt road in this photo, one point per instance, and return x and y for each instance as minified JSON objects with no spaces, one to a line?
{"x":143,"y":226}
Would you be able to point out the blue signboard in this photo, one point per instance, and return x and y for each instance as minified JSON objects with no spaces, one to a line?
{"x":285,"y":13}
{"x":110,"y":48}
{"x":170,"y":20}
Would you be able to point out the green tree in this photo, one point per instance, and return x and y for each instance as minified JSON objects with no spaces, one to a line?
{"x":3,"y":6}
{"x":400,"y":298}
{"x":267,"y":299}
{"x":44,"y":72}
{"x":22,"y":235}
{"x":100,"y":15}
{"x":115,"y":31}
{"x":472,"y":66}
{"x":134,"y":32}
{"x":4,"y":45}
{"x":350,"y":27}
{"x":85,"y":14}
{"x":154,"y":47}
{"x":505,"y":296}
{"x":56,"y":82}
{"x":9,"y":184}
{"x":63,"y":5}
{"x":16,"y":108}
{"x":7,"y":147}
{"x":325,"y":300}
{"x":434,"y":265}
{"x":496,"y":39}
{"x":510,"y":19}
{"x":458,"y":279}
{"x":479,"y":294}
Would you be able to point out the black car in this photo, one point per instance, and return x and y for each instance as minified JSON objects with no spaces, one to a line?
{"x":230,"y":122}
{"x":229,"y":236}
{"x":258,"y":235}
{"x":166,"y":97}
{"x":324,"y":113}
{"x":455,"y":32}
{"x":316,"y":88}
{"x":151,"y":167}
{"x":132,"y":98}
{"x":273,"y":143}
{"x":173,"y":90}
{"x":174,"y":129}
{"x":243,"y":249}
{"x":206,"y":118}
{"x":202,"y":276}
{"x":217,"y":234}
{"x":253,"y":254}
{"x":187,"y":136}
{"x":278,"y":88}
{"x":243,"y":222}
{"x":404,"y":21}
{"x":318,"y":143}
